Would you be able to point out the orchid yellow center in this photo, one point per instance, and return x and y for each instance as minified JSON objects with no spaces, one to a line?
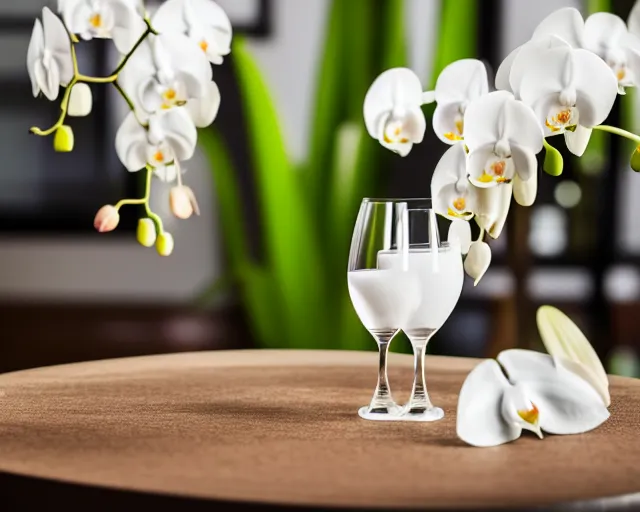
{"x":531,"y":416}
{"x":561,"y":120}
{"x":393,"y":133}
{"x":204,"y":45}
{"x":459,"y":204}
{"x":159,"y":156}
{"x":96,"y":21}
{"x":621,"y":74}
{"x":452,"y":136}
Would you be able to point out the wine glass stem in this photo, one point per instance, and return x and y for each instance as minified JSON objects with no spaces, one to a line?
{"x":419,"y":401}
{"x":382,"y":396}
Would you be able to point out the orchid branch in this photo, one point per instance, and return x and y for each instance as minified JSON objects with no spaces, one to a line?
{"x":618,"y":131}
{"x":144,"y":201}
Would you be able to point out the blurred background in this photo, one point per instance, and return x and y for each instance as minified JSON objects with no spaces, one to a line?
{"x":279,"y":178}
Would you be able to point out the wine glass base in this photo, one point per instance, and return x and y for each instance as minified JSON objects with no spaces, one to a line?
{"x":431,"y":414}
{"x":385,"y":413}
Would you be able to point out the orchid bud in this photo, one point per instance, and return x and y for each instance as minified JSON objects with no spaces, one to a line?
{"x":635,"y":160}
{"x":524,"y":192}
{"x":183,"y":202}
{"x":553,"y":162}
{"x":146,"y":232}
{"x":63,"y":139}
{"x":164,"y":244}
{"x":477,"y":261}
{"x":80,"y":101}
{"x":460,"y":234}
{"x":106,"y":219}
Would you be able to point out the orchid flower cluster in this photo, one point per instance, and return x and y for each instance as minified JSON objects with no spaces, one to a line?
{"x":164,"y":75}
{"x":563,"y":81}
{"x":563,"y":392}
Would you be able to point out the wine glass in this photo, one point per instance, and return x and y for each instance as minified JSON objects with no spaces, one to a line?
{"x":437,"y":268}
{"x":383,"y":298}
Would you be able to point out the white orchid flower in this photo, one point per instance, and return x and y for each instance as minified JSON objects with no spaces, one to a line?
{"x":170,"y":136}
{"x":104,"y":19}
{"x":538,"y":395}
{"x":503,"y":137}
{"x":564,"y":27}
{"x":606,"y":35}
{"x":564,"y":340}
{"x":477,"y":261}
{"x":203,"y":21}
{"x":453,"y":195}
{"x":49,"y":61}
{"x":392,"y":112}
{"x":166,"y":71}
{"x":458,"y":84}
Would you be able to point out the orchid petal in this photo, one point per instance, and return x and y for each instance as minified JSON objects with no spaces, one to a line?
{"x":484,"y":159}
{"x":448,"y":122}
{"x":180,"y":132}
{"x":524,"y":192}
{"x":462,"y":81}
{"x":460,"y":233}
{"x":518,"y":409}
{"x":597,"y":88}
{"x":215,"y":17}
{"x":479,"y":416}
{"x":128,"y":26}
{"x":504,"y":71}
{"x":602,"y":30}
{"x":57,"y":41}
{"x":131,"y":144}
{"x":428,"y":97}
{"x":562,"y":338}
{"x":34,"y":53}
{"x":48,"y":79}
{"x":524,"y":161}
{"x":186,"y":58}
{"x":169,"y":17}
{"x":577,"y":140}
{"x":395,"y":90}
{"x":633,"y":22}
{"x":566,"y":23}
{"x":492,"y":207}
{"x":451,"y":168}
{"x":567,"y":404}
{"x":477,"y":261}
{"x":204,"y":111}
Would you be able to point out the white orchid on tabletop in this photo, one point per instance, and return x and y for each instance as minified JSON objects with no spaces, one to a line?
{"x":563,"y":392}
{"x":164,"y":75}
{"x":563,"y":81}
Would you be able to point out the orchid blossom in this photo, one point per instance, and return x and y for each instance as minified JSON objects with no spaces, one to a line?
{"x":607,"y":36}
{"x":164,"y":76}
{"x":392,"y":112}
{"x":49,"y":59}
{"x":538,"y":393}
{"x":453,"y":195}
{"x":457,"y":86}
{"x":503,"y":137}
{"x":202,"y":21}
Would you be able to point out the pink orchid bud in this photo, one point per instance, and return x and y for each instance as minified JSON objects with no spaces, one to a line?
{"x":183,"y":202}
{"x":107,"y":219}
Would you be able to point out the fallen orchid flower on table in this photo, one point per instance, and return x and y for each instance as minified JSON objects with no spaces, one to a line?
{"x":564,"y":392}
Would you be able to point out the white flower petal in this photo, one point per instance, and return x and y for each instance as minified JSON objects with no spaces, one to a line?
{"x":587,"y":375}
{"x":451,"y":168}
{"x":203,"y":111}
{"x":428,"y":97}
{"x":567,"y":404}
{"x":128,"y":26}
{"x":518,"y":409}
{"x":633,"y":22}
{"x":504,"y":71}
{"x":479,"y":419}
{"x":80,"y":101}
{"x":57,"y":41}
{"x":525,"y":162}
{"x":180,"y":132}
{"x":395,"y":89}
{"x":578,"y":140}
{"x":477,"y":261}
{"x":563,"y":339}
{"x":492,"y":207}
{"x":169,"y":17}
{"x":34,"y":53}
{"x":462,"y":81}
{"x":566,"y":23}
{"x":603,"y":30}
{"x":214,"y":16}
{"x":597,"y":88}
{"x":524,"y":192}
{"x":460,"y":233}
{"x":48,"y":79}
{"x":187,"y":59}
{"x":448,"y":122}
{"x":131,"y":144}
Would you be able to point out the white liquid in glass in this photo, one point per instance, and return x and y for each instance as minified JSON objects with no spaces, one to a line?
{"x":383,"y":299}
{"x":437,"y":283}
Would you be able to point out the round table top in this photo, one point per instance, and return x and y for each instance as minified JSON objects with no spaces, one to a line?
{"x":281,"y":428}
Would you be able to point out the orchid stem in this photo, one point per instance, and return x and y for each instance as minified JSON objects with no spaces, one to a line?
{"x":619,"y":131}
{"x":157,"y":221}
{"x":124,"y":95}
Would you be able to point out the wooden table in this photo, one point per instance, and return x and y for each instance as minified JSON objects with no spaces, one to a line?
{"x":281,"y":428}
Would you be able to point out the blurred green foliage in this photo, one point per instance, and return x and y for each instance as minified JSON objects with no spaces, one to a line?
{"x":296,"y":296}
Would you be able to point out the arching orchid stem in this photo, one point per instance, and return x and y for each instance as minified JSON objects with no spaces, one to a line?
{"x":63,"y":114}
{"x":124,"y":95}
{"x":618,"y":131}
{"x":144,"y":201}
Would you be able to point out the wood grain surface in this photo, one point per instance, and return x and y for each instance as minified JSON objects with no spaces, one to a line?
{"x":281,"y":428}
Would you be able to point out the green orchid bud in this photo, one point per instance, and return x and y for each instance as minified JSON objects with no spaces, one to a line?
{"x":164,"y":244}
{"x":635,"y":159}
{"x":63,"y":140}
{"x":553,"y":163}
{"x":146,"y":232}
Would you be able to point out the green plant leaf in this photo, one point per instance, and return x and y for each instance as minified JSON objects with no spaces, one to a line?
{"x":394,"y":49}
{"x":291,"y":243}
